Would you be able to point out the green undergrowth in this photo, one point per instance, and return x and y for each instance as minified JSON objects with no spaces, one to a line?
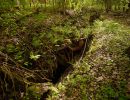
{"x":101,"y":75}
{"x":26,"y":36}
{"x":104,"y":72}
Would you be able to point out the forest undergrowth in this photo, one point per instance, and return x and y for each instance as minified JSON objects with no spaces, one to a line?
{"x":27,"y":36}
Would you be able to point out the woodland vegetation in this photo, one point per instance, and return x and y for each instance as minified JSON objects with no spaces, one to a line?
{"x":64,"y":49}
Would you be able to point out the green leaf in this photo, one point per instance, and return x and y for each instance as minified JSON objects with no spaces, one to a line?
{"x":34,"y":56}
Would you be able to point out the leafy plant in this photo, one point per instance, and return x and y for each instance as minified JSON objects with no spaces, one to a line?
{"x":10,"y":48}
{"x":34,"y":56}
{"x":36,"y":42}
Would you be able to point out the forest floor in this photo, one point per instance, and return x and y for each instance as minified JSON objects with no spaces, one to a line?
{"x":104,"y":72}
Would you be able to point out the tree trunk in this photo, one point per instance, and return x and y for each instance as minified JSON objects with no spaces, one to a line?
{"x":108,"y":5}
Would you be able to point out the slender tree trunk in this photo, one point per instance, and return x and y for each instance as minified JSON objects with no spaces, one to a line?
{"x":18,"y":3}
{"x":108,"y":5}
